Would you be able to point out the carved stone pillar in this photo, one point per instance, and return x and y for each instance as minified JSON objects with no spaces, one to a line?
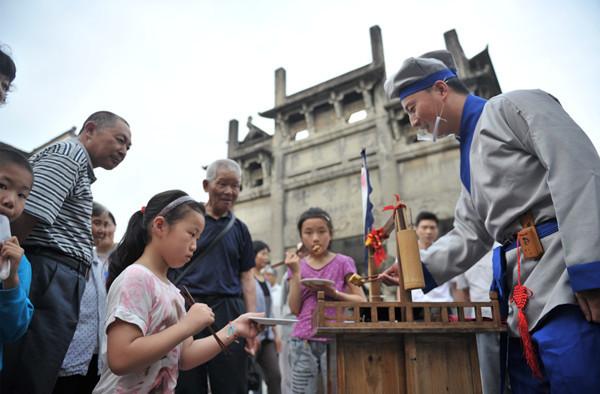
{"x":309,"y":117}
{"x":336,"y":101}
{"x":246,"y":178}
{"x":265,"y":164}
{"x":395,"y":129}
{"x":366,"y":90}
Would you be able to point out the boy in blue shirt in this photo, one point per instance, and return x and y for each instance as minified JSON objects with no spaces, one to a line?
{"x":16,"y":179}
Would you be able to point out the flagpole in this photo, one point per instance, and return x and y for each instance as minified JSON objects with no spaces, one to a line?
{"x":366,"y":189}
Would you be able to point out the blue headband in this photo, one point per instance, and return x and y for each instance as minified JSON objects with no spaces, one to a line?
{"x":426,"y":82}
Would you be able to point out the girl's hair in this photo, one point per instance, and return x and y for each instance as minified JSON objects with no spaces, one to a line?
{"x":315,"y":213}
{"x":257,"y":246}
{"x":137,"y":234}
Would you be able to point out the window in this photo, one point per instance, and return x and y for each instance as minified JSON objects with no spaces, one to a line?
{"x":357,"y":116}
{"x":301,"y":135}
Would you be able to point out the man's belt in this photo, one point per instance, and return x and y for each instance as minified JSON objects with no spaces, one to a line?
{"x":60,"y":257}
{"x":499,"y":283}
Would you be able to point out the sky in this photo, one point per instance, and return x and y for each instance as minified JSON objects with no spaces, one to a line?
{"x":179,"y":70}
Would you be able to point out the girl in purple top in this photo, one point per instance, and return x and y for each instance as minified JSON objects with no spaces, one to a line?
{"x":308,"y":353}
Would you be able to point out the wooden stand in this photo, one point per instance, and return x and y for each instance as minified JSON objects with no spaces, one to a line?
{"x":404,"y":347}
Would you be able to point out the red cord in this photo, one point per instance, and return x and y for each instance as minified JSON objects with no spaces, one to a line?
{"x":520,"y":297}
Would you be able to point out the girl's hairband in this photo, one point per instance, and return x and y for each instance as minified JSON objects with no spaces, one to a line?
{"x":322,"y":216}
{"x":318,"y":216}
{"x":174,"y":204}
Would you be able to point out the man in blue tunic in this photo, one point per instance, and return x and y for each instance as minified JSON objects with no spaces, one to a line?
{"x":526,"y":169}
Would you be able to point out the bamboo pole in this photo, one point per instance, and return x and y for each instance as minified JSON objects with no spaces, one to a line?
{"x":375,"y":286}
{"x":404,"y":295}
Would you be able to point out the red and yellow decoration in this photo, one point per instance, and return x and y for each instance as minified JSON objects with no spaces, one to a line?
{"x":375,"y":240}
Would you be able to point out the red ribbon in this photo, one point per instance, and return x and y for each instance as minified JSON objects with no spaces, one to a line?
{"x":375,"y":240}
{"x":399,"y":204}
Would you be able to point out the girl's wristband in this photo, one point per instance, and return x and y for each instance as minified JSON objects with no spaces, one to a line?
{"x":231,"y":331}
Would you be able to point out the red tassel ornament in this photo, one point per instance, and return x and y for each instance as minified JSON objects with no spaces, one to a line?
{"x":520,"y":297}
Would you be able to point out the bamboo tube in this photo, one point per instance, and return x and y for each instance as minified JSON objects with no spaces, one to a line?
{"x":410,"y":260}
{"x":404,"y":295}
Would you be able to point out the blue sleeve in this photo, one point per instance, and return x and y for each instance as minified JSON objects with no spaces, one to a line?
{"x":585,"y":276}
{"x":15,"y":308}
{"x":247,"y":252}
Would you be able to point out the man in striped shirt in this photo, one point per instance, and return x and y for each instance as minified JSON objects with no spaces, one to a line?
{"x":55,"y":231}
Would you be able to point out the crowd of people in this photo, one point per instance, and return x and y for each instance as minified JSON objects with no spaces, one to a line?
{"x":172,"y":306}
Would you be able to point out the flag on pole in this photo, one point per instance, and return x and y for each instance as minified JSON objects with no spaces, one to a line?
{"x":367,"y":206}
